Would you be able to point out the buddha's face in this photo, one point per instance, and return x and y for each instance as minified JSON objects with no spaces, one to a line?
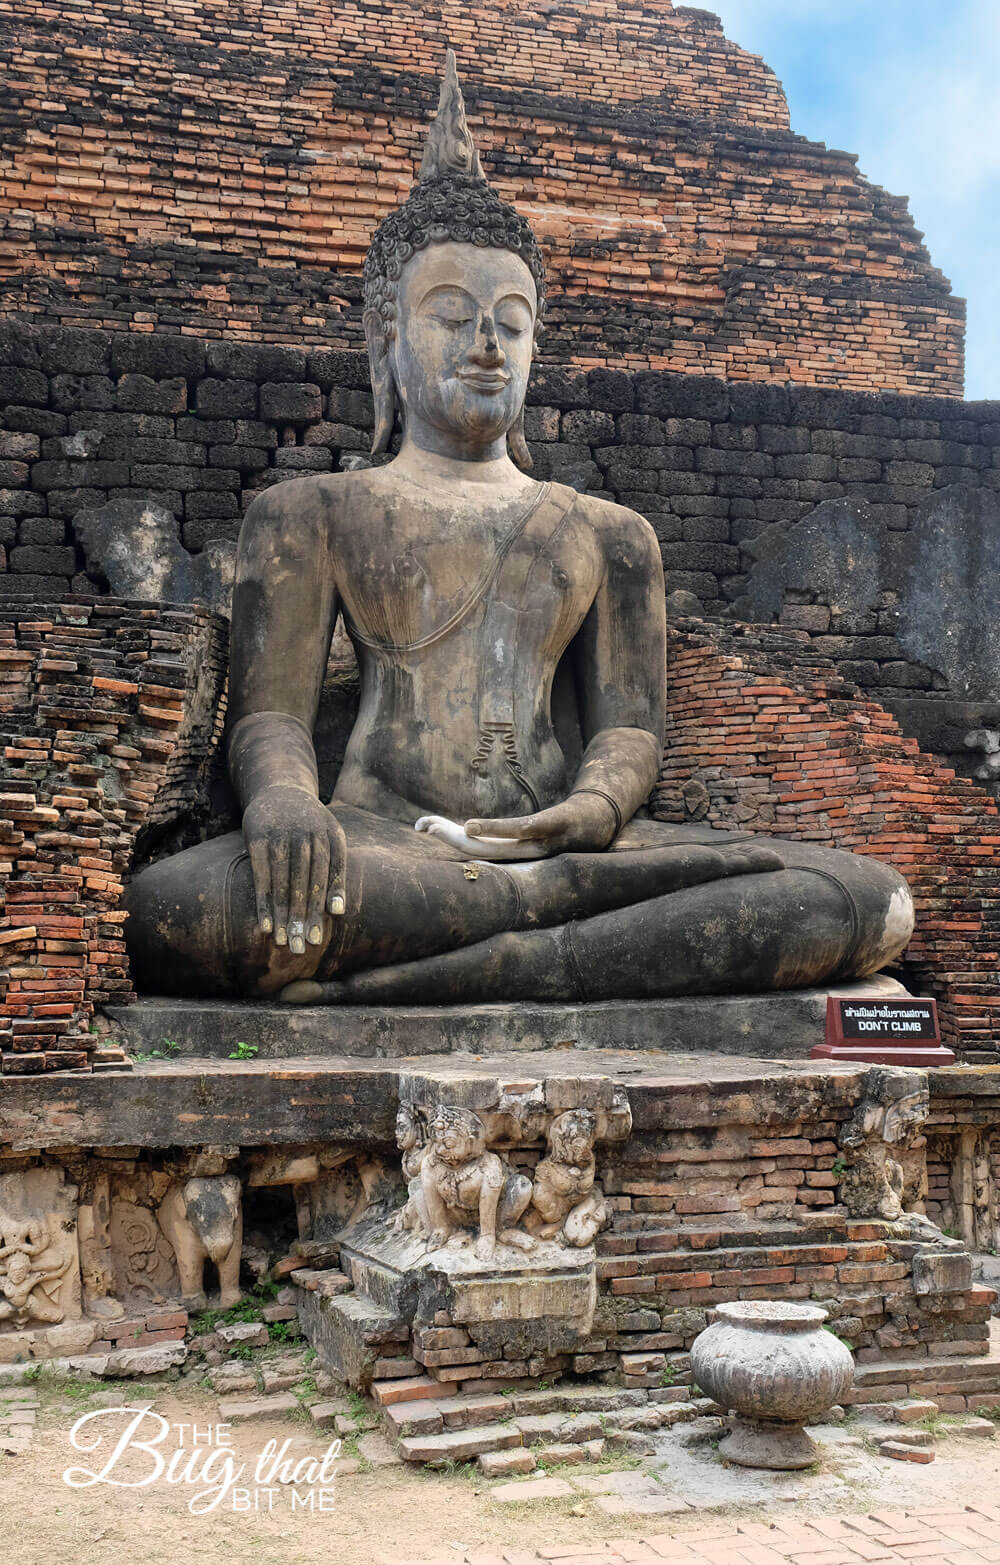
{"x":465,"y":333}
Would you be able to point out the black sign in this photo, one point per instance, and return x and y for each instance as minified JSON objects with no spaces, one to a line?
{"x":883,"y":1021}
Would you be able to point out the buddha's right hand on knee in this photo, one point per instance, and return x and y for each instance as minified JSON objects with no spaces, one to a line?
{"x":297,"y":852}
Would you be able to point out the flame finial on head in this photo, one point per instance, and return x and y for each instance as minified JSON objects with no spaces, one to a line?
{"x":450,"y":148}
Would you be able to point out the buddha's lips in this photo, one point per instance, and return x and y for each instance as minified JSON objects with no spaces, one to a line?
{"x":486,"y":382}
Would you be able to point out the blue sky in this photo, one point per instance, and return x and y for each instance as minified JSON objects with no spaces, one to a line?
{"x":913,"y":87}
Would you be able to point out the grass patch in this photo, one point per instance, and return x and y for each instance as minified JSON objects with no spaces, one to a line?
{"x":941,"y":1424}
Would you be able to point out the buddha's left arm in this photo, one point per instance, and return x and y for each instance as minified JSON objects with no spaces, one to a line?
{"x":620,"y":665}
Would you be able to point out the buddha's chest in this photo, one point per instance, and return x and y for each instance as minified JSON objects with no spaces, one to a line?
{"x":474,"y":587}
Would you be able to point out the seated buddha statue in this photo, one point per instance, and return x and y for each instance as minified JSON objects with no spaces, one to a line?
{"x":486,"y":839}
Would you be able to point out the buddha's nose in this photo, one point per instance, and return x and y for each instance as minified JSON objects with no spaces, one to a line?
{"x":487,"y":349}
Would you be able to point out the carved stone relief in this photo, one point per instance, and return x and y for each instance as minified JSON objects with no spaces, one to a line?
{"x":97,"y":1271}
{"x":886,"y":1125}
{"x":142,"y":1257}
{"x":39,"y":1265}
{"x":454,"y":1133}
{"x":202,"y":1217}
{"x":565,"y":1202}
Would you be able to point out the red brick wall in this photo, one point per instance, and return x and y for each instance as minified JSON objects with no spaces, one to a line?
{"x":218,"y":170}
{"x":764,"y":735}
{"x":107,"y":714}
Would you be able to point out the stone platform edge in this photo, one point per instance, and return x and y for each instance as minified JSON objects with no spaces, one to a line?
{"x":771,"y":1025}
{"x":197,"y":1102}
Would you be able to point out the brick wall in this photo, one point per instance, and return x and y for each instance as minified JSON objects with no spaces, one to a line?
{"x":708,"y":1211}
{"x":764,"y":735}
{"x":108,"y":715}
{"x":218,"y":172}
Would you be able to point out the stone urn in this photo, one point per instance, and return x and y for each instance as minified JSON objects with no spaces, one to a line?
{"x":774,"y":1365}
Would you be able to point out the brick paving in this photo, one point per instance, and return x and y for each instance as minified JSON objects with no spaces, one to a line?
{"x":966,"y":1535}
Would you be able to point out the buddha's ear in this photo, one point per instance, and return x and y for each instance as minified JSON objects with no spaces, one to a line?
{"x":517,"y":445}
{"x":383,"y":385}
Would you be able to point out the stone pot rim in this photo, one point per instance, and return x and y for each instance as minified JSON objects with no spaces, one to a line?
{"x":772,"y":1315}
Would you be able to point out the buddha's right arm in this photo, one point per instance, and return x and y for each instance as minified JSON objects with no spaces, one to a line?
{"x":284,"y":610}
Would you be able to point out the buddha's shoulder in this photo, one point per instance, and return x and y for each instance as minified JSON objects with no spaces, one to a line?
{"x":314,"y":501}
{"x":613,"y":523}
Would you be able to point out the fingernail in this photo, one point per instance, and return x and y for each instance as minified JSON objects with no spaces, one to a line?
{"x":297,"y":945}
{"x":316,"y":935}
{"x":338,"y":907}
{"x":266,"y":925}
{"x":281,"y":937}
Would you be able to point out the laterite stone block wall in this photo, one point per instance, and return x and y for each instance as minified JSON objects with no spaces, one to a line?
{"x":108,"y":715}
{"x":201,"y":427}
{"x":763,"y":734}
{"x":217,"y":171}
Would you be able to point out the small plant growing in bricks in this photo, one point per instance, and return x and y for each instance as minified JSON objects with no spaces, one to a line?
{"x":245,"y":1313}
{"x":245,"y":1051}
{"x":358,"y":1406}
{"x":205,"y":1321}
{"x":668,"y":1375}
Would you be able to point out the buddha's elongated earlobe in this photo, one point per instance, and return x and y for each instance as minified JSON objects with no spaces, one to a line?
{"x":383,"y":385}
{"x":517,"y":445}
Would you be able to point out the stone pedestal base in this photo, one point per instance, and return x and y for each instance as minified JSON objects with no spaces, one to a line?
{"x":518,"y":1305}
{"x":776,"y":1026}
{"x":758,"y":1443}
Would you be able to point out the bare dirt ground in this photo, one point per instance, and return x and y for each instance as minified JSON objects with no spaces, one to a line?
{"x":391,"y":1514}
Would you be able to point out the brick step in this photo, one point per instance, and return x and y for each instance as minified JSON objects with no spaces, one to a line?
{"x":459,"y":1445}
{"x":546,"y":1423}
{"x":327,"y":1280}
{"x":352,"y":1336}
{"x":539,"y":1434}
{"x":551,"y":1399}
{"x":773,"y":1252}
{"x":965,"y":1368}
{"x":827,"y":1228}
{"x":387,"y":1287}
{"x":955,"y":1384}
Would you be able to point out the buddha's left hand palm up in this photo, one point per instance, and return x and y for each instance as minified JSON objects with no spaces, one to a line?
{"x":584,"y":822}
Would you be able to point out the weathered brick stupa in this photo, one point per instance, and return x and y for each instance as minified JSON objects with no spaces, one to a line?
{"x":216,"y":171}
{"x":539,"y":1199}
